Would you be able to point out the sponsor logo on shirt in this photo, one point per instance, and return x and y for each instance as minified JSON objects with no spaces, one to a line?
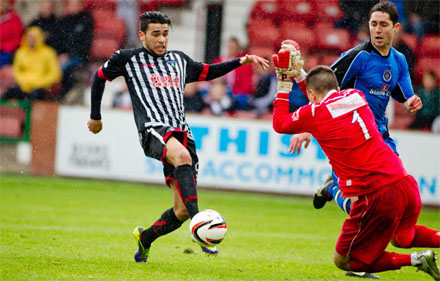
{"x":379,"y":92}
{"x":165,"y":80}
{"x":345,"y":105}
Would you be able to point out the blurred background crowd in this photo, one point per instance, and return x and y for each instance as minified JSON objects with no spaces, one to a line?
{"x":50,"y":48}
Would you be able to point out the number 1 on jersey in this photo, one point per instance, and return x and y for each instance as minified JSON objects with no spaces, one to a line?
{"x":358,"y":118}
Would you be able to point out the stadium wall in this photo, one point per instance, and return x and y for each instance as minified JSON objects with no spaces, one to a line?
{"x":236,"y":154}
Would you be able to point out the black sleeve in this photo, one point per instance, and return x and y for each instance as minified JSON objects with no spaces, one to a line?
{"x":219,"y":69}
{"x":114,"y":66}
{"x":197,"y":71}
{"x":342,"y":64}
{"x":98,"y":86}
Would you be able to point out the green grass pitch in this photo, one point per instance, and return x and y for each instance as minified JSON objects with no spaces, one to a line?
{"x":71,"y":229}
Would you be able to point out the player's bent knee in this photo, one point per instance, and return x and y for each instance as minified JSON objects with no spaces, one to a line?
{"x":181,"y":214}
{"x":400,"y":242}
{"x":394,"y":243}
{"x":183,"y":157}
{"x":341,"y":261}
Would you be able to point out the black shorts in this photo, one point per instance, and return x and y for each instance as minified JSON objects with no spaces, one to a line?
{"x":153,"y":142}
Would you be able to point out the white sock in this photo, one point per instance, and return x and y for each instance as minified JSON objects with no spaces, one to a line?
{"x":414,"y":260}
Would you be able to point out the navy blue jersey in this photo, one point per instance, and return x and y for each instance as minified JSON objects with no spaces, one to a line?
{"x":378,"y":77}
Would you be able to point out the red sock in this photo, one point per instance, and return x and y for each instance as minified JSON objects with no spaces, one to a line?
{"x":388,"y":261}
{"x":426,"y":237}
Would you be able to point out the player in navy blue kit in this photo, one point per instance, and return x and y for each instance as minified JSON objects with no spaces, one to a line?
{"x":379,"y":71}
{"x":156,"y":80}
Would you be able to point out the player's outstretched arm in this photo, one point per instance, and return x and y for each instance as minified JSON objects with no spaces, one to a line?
{"x":247,"y":59}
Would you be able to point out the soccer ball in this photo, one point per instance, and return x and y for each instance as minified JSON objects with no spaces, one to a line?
{"x":208,"y":228}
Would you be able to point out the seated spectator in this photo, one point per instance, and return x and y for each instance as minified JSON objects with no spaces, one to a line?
{"x":11,"y":30}
{"x":266,"y":90}
{"x":423,"y":17}
{"x":218,"y":98}
{"x":192,"y":98}
{"x":356,"y":12}
{"x":48,"y":22}
{"x":363,"y":34}
{"x":35,"y":68}
{"x":429,"y":93}
{"x":128,"y":10}
{"x":402,"y":47}
{"x":77,"y":31}
{"x":415,"y":25}
{"x":239,"y":80}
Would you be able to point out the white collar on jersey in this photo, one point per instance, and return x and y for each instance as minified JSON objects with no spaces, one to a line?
{"x":328,"y":94}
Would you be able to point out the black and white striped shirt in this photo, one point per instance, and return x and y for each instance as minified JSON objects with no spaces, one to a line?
{"x":156,"y":84}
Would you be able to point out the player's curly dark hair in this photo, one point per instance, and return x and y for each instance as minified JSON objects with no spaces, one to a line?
{"x":152,"y":17}
{"x":385,"y":7}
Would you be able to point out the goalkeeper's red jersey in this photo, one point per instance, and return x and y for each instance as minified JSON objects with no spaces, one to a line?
{"x":344,"y":126}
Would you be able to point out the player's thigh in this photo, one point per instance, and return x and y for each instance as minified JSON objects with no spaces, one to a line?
{"x":413,"y":205}
{"x":370,"y":227}
{"x":176,"y":153}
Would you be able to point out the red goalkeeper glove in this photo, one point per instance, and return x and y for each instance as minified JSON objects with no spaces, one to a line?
{"x":288,"y":65}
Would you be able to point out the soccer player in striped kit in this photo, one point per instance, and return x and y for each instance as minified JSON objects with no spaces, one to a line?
{"x":156,"y":79}
{"x":386,"y":200}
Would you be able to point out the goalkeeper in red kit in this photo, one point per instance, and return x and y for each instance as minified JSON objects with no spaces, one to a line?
{"x":386,"y":200}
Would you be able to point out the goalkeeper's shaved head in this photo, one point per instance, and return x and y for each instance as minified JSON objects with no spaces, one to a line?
{"x":321,"y":79}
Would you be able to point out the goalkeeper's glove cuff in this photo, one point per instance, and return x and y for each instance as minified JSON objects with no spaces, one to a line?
{"x":301,"y":77}
{"x":284,"y":86}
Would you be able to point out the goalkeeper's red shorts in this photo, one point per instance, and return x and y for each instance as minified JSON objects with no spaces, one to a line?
{"x":376,"y":218}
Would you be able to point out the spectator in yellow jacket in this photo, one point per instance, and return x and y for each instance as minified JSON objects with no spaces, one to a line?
{"x":35,"y":67}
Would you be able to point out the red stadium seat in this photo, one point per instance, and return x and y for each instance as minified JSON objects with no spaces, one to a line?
{"x":171,"y":2}
{"x":299,"y":32}
{"x":7,"y":79}
{"x":332,"y":39}
{"x":147,"y":5}
{"x":101,"y":16}
{"x":264,"y":52}
{"x":116,"y":30}
{"x":262,"y":33}
{"x":329,"y":59}
{"x":103,"y":47}
{"x":265,"y":10}
{"x":11,"y":127}
{"x":410,"y":40}
{"x":311,"y":61}
{"x":13,"y":119}
{"x":328,"y":10}
{"x":100,"y":4}
{"x":425,"y":64}
{"x":102,"y":28}
{"x":299,"y":10}
{"x":430,"y":46}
